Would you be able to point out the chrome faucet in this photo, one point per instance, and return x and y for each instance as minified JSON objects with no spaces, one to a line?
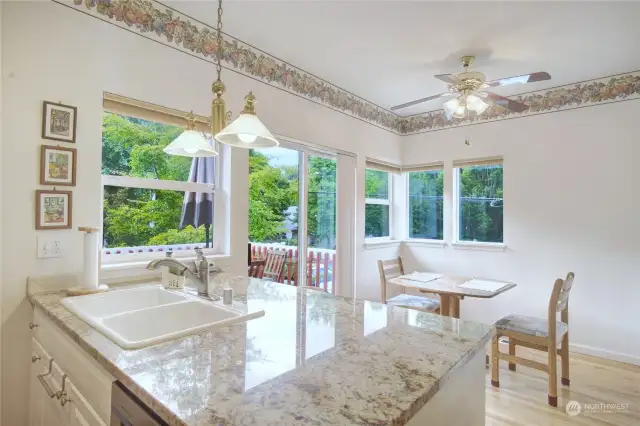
{"x":197,"y":271}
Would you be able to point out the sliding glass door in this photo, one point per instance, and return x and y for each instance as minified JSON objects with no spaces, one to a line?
{"x":292,"y":210}
{"x":321,"y":221}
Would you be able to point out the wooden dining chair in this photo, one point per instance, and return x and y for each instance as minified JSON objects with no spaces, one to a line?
{"x":391,"y":269}
{"x":256,"y":268}
{"x":274,"y":266}
{"x":541,"y":334}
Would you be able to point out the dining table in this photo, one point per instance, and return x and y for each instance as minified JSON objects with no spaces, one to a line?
{"x":452,"y":288}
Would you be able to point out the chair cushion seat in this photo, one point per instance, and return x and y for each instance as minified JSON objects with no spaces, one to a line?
{"x":411,"y":301}
{"x":531,"y":326}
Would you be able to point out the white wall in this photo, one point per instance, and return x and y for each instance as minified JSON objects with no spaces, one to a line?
{"x":571,"y":204}
{"x":90,"y":57}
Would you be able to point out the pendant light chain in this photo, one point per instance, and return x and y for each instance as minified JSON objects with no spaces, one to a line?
{"x":220,"y":42}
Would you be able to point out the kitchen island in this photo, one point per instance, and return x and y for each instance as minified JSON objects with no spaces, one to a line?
{"x":312,"y":359}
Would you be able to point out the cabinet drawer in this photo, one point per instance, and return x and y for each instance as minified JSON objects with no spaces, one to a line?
{"x":46,"y":367}
{"x":89,"y":377}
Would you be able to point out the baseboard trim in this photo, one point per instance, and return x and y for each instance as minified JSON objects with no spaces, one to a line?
{"x":603,"y":353}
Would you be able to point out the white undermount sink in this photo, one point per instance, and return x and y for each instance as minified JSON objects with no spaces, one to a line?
{"x":140,"y":317}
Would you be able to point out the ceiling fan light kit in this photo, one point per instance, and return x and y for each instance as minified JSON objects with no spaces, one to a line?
{"x":469,"y":91}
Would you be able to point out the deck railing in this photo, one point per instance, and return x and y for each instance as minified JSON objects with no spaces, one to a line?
{"x":319,"y":270}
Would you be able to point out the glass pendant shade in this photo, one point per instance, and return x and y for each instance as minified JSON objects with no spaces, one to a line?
{"x":247,"y":131}
{"x":451,"y":106}
{"x":191,"y":143}
{"x":474,"y":103}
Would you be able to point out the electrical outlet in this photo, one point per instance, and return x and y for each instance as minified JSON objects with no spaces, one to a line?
{"x":50,"y":246}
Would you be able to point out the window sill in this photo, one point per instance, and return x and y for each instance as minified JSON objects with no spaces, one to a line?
{"x":137,"y":265}
{"x":378,"y":244}
{"x":475,"y":245}
{"x":419,"y":242}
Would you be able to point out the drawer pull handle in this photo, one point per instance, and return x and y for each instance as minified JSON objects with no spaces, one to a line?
{"x":35,"y":358}
{"x":44,"y":383}
{"x":61,"y":392}
{"x":32,"y":326}
{"x":64,"y":399}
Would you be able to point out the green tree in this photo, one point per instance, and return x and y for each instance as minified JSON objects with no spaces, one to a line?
{"x":426,"y":204}
{"x":321,"y":213}
{"x":481,"y":207}
{"x":272,"y":190}
{"x":132,"y":217}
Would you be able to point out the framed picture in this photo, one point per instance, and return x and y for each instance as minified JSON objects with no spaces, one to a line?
{"x":53,"y":209}
{"x":57,"y":165}
{"x":59,"y":122}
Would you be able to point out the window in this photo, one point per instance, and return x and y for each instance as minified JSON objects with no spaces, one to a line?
{"x":480,"y":205}
{"x":144,"y":188}
{"x":425,"y":189}
{"x":377,"y":208}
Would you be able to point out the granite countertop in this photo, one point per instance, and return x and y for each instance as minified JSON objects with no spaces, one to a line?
{"x":311,"y":359}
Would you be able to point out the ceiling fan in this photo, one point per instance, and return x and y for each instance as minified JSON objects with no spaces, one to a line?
{"x":468,"y":91}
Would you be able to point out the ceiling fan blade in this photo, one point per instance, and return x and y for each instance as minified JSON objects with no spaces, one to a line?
{"x":520,"y":79}
{"x":448,"y":78}
{"x":419,"y":101}
{"x":507,"y":103}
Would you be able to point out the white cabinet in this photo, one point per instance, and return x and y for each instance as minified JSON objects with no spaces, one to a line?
{"x":80,"y":411}
{"x":54,"y":399}
{"x":45,"y":378}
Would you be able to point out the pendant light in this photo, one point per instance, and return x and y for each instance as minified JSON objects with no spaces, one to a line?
{"x":246,"y":131}
{"x":191,"y":142}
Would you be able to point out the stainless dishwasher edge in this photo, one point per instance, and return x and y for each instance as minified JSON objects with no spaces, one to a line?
{"x":128,"y":410}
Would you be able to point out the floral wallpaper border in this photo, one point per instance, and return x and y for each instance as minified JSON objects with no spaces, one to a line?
{"x":158,"y":22}
{"x":572,"y":96}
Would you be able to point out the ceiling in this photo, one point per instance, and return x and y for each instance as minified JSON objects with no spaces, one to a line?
{"x":388,"y":51}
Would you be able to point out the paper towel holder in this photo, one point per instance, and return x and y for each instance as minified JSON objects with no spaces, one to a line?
{"x":79,"y":291}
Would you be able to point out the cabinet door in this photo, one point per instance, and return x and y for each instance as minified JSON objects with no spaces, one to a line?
{"x":80,"y":412}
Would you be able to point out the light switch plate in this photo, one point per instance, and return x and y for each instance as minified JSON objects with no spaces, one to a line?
{"x":50,"y":245}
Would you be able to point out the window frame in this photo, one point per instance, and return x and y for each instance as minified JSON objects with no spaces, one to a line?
{"x":456,"y":242}
{"x":377,"y":201}
{"x":157,"y":114}
{"x":423,"y":168}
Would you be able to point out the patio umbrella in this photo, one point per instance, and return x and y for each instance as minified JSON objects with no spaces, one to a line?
{"x":197,"y":208}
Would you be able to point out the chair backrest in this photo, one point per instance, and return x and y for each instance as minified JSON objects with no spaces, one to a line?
{"x":559,"y":301}
{"x":274,"y":267}
{"x":388,"y":269}
{"x":256,"y":268}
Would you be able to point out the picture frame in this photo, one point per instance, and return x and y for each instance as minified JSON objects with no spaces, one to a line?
{"x":58,"y":165}
{"x":54,"y":209}
{"x":59,"y":122}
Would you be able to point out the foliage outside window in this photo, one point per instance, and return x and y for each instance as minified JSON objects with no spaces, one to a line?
{"x":480,"y":203}
{"x":377,"y":204}
{"x":426,"y":204}
{"x":147,"y":215}
{"x":273,"y":198}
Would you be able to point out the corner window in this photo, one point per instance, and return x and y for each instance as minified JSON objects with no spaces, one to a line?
{"x":377,"y":204}
{"x":145,"y":189}
{"x":425,"y":191}
{"x":479,"y":200}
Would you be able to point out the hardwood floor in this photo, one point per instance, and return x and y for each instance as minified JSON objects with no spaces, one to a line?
{"x":521,"y":399}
